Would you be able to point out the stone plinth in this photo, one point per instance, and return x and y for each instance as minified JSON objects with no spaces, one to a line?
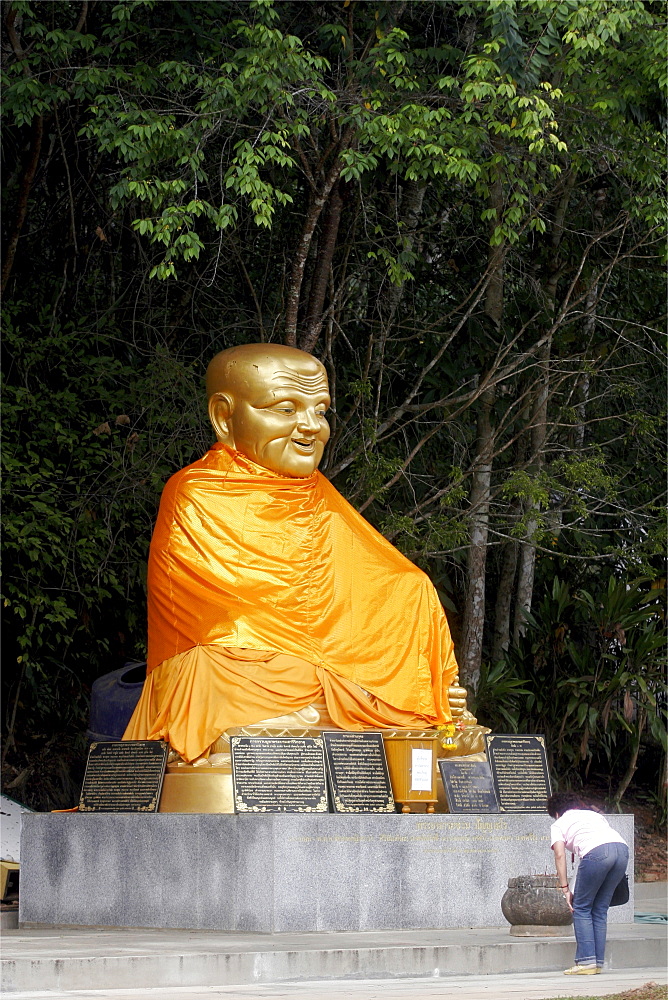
{"x":281,"y":873}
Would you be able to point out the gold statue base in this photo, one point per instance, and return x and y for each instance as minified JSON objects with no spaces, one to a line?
{"x":205,"y":786}
{"x":197,"y":790}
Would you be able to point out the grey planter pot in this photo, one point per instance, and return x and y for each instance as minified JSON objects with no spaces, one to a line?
{"x":534,"y":906}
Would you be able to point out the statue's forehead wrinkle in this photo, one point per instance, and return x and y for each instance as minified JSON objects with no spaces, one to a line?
{"x":302,"y":379}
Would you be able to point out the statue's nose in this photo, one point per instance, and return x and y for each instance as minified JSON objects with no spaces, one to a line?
{"x":308,"y":422}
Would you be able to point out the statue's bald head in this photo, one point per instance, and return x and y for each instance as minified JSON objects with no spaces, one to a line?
{"x":244,"y":367}
{"x":268,"y":402}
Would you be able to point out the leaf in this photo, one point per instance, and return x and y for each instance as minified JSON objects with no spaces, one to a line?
{"x":132,"y":440}
{"x":629,"y":707}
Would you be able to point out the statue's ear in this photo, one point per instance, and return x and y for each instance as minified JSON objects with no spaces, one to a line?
{"x":220,"y":410}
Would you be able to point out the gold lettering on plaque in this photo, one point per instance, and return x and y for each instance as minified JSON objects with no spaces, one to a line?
{"x":123,"y":776}
{"x":358,"y":772}
{"x":278,"y":774}
{"x":519,"y":767}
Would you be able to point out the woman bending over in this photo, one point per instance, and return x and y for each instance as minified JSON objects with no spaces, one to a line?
{"x":604,"y":855}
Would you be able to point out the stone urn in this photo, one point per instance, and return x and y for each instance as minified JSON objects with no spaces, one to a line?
{"x":535,"y":906}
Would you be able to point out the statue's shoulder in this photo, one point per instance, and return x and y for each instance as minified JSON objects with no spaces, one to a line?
{"x":188,"y":480}
{"x":366,"y":534}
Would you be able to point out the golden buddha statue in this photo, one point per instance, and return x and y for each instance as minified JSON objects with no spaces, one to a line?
{"x":272,"y":602}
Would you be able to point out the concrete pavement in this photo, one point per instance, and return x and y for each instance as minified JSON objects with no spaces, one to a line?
{"x":122,"y":964}
{"x":525,"y":986}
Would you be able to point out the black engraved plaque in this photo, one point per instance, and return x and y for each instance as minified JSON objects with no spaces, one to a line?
{"x":468,"y":786}
{"x":279,"y":774}
{"x":358,"y":775}
{"x":124,"y":776}
{"x":519,"y":771}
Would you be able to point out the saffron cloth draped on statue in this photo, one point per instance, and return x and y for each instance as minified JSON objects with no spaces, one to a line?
{"x":268,"y":593}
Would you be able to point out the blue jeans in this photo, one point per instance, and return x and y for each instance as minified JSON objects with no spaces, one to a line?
{"x":598,"y":875}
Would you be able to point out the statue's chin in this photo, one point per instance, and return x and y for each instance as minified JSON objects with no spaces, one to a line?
{"x":292,"y":466}
{"x":289,"y":470}
{"x":294,"y":474}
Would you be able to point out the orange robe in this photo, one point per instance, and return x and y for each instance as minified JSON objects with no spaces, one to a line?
{"x":266,"y":594}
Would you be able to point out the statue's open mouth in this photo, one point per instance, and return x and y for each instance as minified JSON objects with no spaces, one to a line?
{"x":307,"y":446}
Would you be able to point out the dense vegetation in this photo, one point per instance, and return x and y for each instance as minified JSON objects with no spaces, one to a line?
{"x":458,"y":206}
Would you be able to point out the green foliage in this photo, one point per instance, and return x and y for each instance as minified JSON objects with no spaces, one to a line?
{"x":588,"y":673}
{"x":82,"y":477}
{"x":500,"y":698}
{"x":273,"y":88}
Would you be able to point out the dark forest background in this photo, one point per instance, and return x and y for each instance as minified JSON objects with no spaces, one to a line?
{"x":458,"y":207}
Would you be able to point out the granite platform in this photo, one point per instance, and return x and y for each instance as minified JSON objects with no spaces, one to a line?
{"x":277,"y":874}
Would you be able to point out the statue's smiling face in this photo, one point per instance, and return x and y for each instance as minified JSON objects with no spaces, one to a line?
{"x":274,"y":413}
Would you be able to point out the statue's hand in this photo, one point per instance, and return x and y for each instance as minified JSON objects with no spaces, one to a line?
{"x":457,"y":699}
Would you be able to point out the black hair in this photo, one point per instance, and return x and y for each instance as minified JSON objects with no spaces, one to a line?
{"x":560,"y":802}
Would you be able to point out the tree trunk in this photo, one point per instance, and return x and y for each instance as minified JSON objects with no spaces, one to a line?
{"x":582,"y":397}
{"x":29,"y":172}
{"x":527,"y":555}
{"x":504,"y":600}
{"x":412,"y":199}
{"x":525,"y":579}
{"x":481,"y":487}
{"x":539,"y":418}
{"x":323,"y":265}
{"x":317,"y":203}
{"x":476,"y":564}
{"x":582,"y":387}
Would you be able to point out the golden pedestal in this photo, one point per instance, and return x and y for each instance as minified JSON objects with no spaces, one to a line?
{"x":202,"y":788}
{"x":206,"y":787}
{"x":188,"y":789}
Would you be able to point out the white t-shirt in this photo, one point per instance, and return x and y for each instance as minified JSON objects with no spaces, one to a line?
{"x":582,"y":830}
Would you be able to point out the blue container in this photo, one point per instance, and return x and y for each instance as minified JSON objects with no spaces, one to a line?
{"x":112,"y":701}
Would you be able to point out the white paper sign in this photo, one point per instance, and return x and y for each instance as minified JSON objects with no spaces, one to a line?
{"x":421,"y":762}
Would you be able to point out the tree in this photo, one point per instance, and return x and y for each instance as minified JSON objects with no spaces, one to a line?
{"x":457,"y":206}
{"x":588,"y":674}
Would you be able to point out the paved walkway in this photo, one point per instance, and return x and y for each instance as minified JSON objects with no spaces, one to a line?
{"x":68,"y":944}
{"x":531,"y":986}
